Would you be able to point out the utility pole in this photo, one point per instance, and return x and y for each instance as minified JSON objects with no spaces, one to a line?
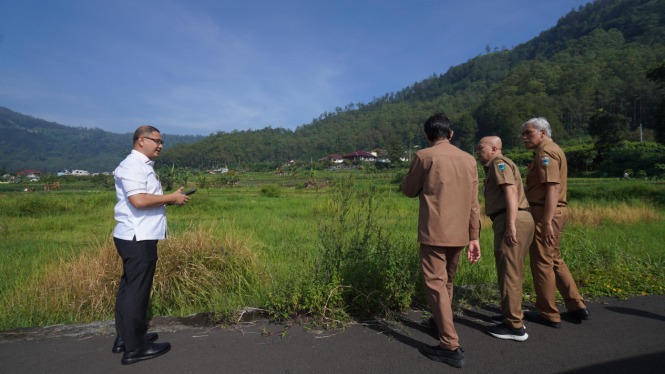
{"x":409,"y":150}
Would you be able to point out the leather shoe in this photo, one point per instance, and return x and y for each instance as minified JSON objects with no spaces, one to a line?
{"x":151,"y":350}
{"x":119,"y":345}
{"x":581,"y":313}
{"x":537,"y":318}
{"x":453,"y":358}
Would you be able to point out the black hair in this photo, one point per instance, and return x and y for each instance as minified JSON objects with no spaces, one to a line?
{"x":144,"y":131}
{"x":438,"y":126}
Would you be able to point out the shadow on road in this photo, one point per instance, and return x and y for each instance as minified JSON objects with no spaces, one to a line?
{"x":651,"y":363}
{"x":635,"y":312}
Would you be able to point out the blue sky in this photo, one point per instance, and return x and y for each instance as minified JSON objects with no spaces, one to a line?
{"x":197,"y":67}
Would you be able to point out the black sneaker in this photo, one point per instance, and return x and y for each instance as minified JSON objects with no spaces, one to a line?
{"x":453,"y":358}
{"x":497,"y":319}
{"x":581,"y":314}
{"x":503,"y":331}
{"x":537,"y":318}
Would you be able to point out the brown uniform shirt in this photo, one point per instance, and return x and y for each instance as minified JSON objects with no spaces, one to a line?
{"x":501,"y":170}
{"x":446,"y":180}
{"x":548,"y":166}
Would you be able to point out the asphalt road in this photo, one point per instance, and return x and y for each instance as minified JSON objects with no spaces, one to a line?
{"x":623,"y":337}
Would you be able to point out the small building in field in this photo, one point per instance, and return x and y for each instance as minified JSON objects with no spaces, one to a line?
{"x":223,"y":170}
{"x":80,"y":173}
{"x":360,"y":156}
{"x":335,"y":158}
{"x":32,"y":174}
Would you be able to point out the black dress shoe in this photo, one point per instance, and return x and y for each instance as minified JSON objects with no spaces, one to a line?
{"x":151,"y":350}
{"x":537,"y":318}
{"x":581,"y":313}
{"x":453,"y":358}
{"x":119,"y":345}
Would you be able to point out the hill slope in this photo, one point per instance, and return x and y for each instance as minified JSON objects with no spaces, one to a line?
{"x":593,"y":58}
{"x":31,"y":143}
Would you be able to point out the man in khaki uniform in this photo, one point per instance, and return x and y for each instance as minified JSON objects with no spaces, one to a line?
{"x":546,"y":187}
{"x":446,"y":181}
{"x":513,"y":226}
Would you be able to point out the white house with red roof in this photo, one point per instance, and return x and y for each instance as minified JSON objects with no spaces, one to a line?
{"x":334,"y":158}
{"x":360,"y":156}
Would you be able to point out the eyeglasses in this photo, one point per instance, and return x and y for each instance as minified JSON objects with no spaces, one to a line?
{"x":158,"y":141}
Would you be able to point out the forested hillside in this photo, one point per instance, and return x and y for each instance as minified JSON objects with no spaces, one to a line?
{"x":31,"y":143}
{"x":594,"y":58}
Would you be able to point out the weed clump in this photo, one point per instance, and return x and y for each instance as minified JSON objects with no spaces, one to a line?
{"x":270,"y":190}
{"x":363,"y":267}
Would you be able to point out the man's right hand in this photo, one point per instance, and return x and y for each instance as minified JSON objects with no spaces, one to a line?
{"x":179,"y":198}
{"x":510,"y":235}
{"x":473,"y":251}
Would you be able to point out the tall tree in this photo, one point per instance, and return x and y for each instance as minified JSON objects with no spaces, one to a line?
{"x":656,"y":73}
{"x":465,"y":128}
{"x":395,"y":150}
{"x":608,"y":129}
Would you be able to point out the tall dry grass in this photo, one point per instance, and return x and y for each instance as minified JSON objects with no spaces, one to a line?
{"x":590,"y":214}
{"x":619,"y":213}
{"x":206,"y":268}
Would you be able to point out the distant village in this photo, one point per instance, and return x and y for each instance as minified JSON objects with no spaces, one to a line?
{"x":336,"y":161}
{"x":34,"y":175}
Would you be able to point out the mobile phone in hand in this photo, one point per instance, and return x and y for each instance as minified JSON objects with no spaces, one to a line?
{"x":190,"y":192}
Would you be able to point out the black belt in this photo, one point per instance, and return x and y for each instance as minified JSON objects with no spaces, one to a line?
{"x":502,"y":211}
{"x":558,"y":205}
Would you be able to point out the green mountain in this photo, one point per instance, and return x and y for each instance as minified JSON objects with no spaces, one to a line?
{"x":595,"y":57}
{"x":31,"y":143}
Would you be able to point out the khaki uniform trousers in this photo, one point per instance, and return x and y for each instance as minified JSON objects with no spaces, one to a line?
{"x":510,"y":265}
{"x":548,"y":269}
{"x":439,"y":266}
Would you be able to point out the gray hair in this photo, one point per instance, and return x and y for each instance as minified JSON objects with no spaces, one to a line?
{"x":539,"y":123}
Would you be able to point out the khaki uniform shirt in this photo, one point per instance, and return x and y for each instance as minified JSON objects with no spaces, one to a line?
{"x":501,"y":170}
{"x":548,"y":166}
{"x":446,"y":180}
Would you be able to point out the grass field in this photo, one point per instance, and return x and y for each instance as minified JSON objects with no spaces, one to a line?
{"x":346,"y":249}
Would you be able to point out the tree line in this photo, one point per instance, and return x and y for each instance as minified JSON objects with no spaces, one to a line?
{"x":594,"y":59}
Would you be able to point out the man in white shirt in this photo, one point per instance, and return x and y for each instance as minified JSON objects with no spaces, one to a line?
{"x":141,"y":216}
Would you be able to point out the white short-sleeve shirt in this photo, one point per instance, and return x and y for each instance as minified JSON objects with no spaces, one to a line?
{"x":136,"y":175}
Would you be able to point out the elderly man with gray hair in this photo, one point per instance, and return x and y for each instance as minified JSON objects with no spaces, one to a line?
{"x":546,"y":188}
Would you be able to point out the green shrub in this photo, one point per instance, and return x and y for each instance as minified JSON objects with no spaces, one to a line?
{"x":399,"y":177}
{"x":270,"y":190}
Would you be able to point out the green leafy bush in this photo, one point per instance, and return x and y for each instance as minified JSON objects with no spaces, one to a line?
{"x":270,"y":190}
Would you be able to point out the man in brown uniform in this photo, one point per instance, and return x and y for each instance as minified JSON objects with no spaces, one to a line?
{"x":513,"y":226}
{"x":446,"y":181}
{"x":546,"y":187}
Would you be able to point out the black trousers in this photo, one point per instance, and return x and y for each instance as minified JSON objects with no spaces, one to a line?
{"x":139,"y":260}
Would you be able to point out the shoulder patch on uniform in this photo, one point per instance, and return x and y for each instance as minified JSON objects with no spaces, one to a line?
{"x":546,"y":160}
{"x":500,"y":164}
